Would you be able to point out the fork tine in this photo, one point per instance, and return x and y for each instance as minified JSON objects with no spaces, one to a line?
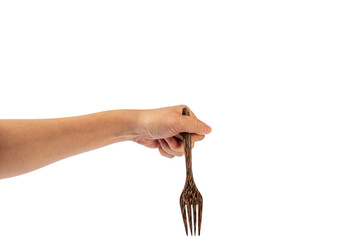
{"x":194,"y":214}
{"x":200,"y":213}
{"x":188,"y":205}
{"x":182,"y":206}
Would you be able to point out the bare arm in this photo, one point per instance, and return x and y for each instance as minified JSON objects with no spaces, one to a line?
{"x":29,"y":144}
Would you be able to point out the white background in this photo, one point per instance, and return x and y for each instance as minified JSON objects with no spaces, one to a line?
{"x":278,"y":81}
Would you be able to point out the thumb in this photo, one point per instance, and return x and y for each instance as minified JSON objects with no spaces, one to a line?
{"x":193,"y":125}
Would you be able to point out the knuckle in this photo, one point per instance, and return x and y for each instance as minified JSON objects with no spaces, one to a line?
{"x":200,"y":138}
{"x":162,"y":153}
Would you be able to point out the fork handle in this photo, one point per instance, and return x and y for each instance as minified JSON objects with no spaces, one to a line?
{"x":187,"y":146}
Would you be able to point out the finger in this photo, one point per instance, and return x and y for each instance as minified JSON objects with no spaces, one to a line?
{"x":179,"y":136}
{"x":167,"y":149}
{"x":181,"y":147}
{"x":165,"y":154}
{"x":152,"y":144}
{"x":175,"y":144}
{"x":193,"y":125}
{"x":196,"y":137}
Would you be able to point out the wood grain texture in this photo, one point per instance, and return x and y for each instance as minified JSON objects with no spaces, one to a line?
{"x":191,"y":201}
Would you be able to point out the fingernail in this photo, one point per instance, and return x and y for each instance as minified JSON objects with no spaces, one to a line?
{"x":207,"y":129}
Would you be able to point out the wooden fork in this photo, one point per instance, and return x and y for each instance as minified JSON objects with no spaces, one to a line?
{"x":190,"y":196}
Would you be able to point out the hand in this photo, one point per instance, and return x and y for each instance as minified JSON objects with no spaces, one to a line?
{"x":161,"y":128}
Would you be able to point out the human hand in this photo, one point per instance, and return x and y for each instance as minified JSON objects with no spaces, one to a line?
{"x":161,"y":128}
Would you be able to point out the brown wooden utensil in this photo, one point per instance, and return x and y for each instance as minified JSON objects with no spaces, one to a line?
{"x":190,"y":196}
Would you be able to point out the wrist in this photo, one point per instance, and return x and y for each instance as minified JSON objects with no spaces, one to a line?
{"x":125,"y":124}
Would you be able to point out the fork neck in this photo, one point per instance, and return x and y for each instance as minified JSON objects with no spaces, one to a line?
{"x":189,"y":174}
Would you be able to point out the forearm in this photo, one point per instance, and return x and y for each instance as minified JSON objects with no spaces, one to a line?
{"x":29,"y":144}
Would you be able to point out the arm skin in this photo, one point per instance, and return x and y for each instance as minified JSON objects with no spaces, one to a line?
{"x":29,"y":144}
